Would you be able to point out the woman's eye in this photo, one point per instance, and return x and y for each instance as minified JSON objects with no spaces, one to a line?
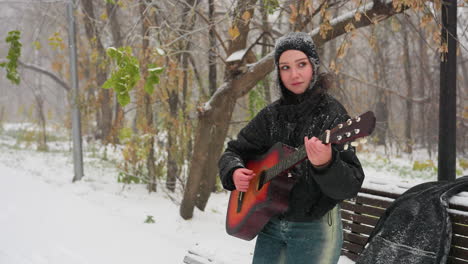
{"x":284,"y":68}
{"x":302,"y":64}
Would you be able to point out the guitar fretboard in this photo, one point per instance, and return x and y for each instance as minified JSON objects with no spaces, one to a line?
{"x":292,"y":160}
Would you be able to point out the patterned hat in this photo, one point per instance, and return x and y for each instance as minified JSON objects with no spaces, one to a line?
{"x":298,"y":41}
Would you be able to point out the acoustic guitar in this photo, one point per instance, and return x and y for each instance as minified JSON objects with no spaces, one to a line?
{"x":268,"y":191}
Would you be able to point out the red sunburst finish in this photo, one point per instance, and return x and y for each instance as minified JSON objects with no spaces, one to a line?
{"x":258,"y":206}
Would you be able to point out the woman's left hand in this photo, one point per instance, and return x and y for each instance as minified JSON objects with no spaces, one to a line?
{"x":319,"y":154}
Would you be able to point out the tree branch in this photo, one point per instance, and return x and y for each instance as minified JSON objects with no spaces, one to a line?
{"x":54,"y":77}
{"x":241,"y":84}
{"x":387,"y":90}
{"x":215,"y":31}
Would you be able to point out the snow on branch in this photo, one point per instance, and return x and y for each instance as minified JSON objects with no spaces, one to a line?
{"x":365,"y":15}
{"x":247,"y":78}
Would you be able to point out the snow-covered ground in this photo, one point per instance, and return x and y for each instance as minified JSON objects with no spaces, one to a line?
{"x":45,"y":218}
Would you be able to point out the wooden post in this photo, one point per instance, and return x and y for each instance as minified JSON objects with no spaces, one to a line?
{"x":448,"y":93}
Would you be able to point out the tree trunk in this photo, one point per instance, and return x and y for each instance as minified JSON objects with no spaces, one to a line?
{"x":212,"y":72}
{"x":421,"y":135}
{"x":38,"y":96}
{"x":219,"y":130}
{"x":148,"y":112}
{"x":409,"y":85}
{"x":381,"y":111}
{"x":462,"y":93}
{"x":104,"y":117}
{"x":172,"y":146}
{"x":2,"y":117}
{"x":265,"y":49}
{"x":209,"y":137}
{"x":117,"y":113}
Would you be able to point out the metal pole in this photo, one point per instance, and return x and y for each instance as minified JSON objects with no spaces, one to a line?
{"x":448,"y":94}
{"x":76,"y":120}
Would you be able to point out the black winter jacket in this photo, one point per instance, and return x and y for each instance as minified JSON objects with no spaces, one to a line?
{"x":316,"y":191}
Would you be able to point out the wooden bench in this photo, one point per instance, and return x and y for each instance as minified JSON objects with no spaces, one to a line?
{"x":360,"y":215}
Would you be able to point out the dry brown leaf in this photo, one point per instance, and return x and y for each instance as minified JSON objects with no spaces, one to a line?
{"x":349,"y":27}
{"x":246,"y":17}
{"x":324,"y":28}
{"x":233,"y":32}
{"x":342,"y":50}
{"x":293,"y":17}
{"x":425,"y":20}
{"x":357,"y":16}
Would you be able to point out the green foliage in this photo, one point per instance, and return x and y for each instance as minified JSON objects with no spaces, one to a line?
{"x":127,"y":74}
{"x":27,"y":137}
{"x":127,"y":178}
{"x":135,"y":151}
{"x":424,"y":165}
{"x":125,"y":134}
{"x":463,"y":164}
{"x":13,"y":55}
{"x":149,"y":219}
{"x":124,"y":79}
{"x":110,"y":2}
{"x":256,"y":101}
{"x":271,"y":5}
{"x":56,"y":42}
{"x":153,"y":77}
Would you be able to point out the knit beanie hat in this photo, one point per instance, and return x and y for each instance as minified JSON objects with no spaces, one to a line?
{"x":297,"y":41}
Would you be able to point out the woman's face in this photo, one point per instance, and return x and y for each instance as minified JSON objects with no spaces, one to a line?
{"x":295,"y":71}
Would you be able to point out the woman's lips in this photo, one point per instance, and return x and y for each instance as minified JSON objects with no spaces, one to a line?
{"x":296,"y":83}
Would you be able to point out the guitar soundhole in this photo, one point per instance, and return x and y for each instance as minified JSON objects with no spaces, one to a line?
{"x":261,"y":181}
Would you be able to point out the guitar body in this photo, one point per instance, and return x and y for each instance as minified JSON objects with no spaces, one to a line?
{"x":268,"y":192}
{"x":246,"y":218}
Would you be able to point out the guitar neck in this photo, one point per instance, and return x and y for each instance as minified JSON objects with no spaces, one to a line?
{"x":358,"y":127}
{"x":292,"y":160}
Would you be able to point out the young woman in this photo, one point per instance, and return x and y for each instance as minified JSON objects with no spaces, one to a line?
{"x":310,"y":230}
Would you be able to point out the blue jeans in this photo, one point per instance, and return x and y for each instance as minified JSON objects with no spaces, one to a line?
{"x":316,"y":242}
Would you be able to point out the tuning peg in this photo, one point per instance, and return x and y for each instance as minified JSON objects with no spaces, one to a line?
{"x":346,"y":146}
{"x":356,"y":131}
{"x":349,"y":122}
{"x":348,"y":134}
{"x":340,"y":126}
{"x":358,"y":118}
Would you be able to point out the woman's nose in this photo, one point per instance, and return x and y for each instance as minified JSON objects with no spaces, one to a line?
{"x":294,"y":72}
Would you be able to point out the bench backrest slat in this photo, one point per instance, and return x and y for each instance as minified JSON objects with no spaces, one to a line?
{"x":358,"y":218}
{"x":452,"y":260}
{"x":460,"y":229}
{"x":461,"y":253}
{"x":362,"y":208}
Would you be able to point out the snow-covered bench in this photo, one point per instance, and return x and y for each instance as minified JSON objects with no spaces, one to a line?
{"x":361,"y":214}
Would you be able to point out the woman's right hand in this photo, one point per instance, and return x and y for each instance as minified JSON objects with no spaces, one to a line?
{"x":242,"y":177}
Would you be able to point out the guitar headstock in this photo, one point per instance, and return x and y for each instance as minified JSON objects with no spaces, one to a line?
{"x":358,"y":127}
